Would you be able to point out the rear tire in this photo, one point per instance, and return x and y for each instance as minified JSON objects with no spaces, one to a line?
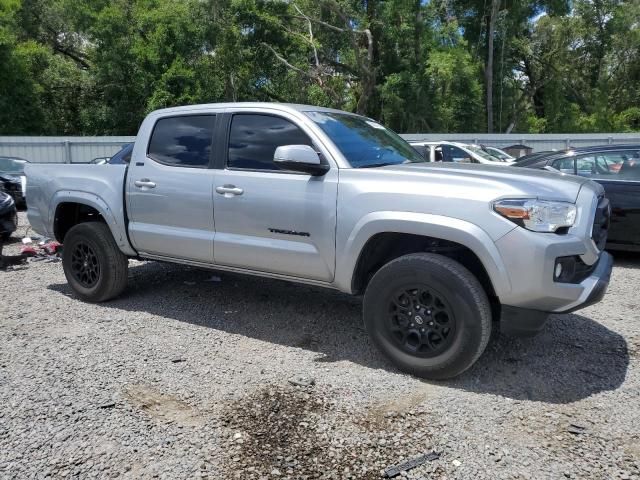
{"x":95,"y":267}
{"x":428,"y":314}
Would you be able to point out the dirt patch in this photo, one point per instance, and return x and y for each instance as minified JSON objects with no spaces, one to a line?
{"x":162,"y":406}
{"x":300,"y":433}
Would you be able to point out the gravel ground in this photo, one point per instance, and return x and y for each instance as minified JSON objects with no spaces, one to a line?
{"x":185,"y":376}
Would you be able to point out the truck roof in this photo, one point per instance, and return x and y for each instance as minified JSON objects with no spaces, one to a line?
{"x":276,"y":105}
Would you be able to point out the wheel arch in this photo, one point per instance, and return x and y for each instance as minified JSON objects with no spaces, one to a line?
{"x":383,"y":236}
{"x":69,"y":208}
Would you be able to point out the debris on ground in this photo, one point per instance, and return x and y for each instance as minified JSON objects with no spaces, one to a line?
{"x":302,"y":381}
{"x":46,"y":250}
{"x":396,"y":470}
{"x":576,"y":429}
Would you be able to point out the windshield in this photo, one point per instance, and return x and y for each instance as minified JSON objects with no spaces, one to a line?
{"x":11,"y":165}
{"x":481,"y":153}
{"x":498,"y":153}
{"x":363,"y":142}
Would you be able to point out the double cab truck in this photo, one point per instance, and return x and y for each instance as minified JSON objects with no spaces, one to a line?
{"x":442,"y":253}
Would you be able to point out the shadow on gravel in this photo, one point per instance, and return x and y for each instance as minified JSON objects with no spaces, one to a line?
{"x":573,"y":358}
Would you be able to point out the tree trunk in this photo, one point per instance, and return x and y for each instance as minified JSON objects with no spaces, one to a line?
{"x":488,"y":71}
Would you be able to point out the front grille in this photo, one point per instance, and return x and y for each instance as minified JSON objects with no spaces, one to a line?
{"x":601,"y":223}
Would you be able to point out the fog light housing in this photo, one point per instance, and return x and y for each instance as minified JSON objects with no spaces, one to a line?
{"x":564,"y":269}
{"x":558,"y":271}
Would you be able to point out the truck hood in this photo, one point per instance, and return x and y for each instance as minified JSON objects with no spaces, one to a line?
{"x":503,"y":179}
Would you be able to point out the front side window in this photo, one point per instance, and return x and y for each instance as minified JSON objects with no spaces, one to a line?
{"x":183,"y":141}
{"x":363,"y":142}
{"x":586,"y":166}
{"x":253,"y":140}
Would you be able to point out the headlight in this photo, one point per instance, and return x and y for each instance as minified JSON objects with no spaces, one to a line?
{"x":537,"y":215}
{"x":23,"y":184}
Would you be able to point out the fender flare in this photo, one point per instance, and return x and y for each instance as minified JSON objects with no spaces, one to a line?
{"x":117,"y":228}
{"x":446,"y":228}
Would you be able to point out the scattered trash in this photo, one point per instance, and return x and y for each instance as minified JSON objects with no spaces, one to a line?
{"x":51,"y":248}
{"x":213,"y":278}
{"x":47,"y":252}
{"x":302,"y":381}
{"x":107,"y":405}
{"x":28,"y":251}
{"x":178,"y":360}
{"x":396,"y":470}
{"x":576,"y":429}
{"x":456,"y":463}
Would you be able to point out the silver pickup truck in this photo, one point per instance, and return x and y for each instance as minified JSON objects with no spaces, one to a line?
{"x":442,"y":253}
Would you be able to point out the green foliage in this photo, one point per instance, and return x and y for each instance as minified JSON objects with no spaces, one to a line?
{"x":99,"y":66}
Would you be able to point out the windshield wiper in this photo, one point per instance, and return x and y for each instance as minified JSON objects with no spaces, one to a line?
{"x":373,"y":165}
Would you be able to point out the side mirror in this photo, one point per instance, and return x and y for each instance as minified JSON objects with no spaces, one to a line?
{"x":299,"y":158}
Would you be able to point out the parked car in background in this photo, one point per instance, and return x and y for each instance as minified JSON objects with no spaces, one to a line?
{"x":496,"y":152}
{"x":123,"y":156}
{"x":454,"y":152}
{"x":617,"y":169}
{"x":313,"y":195}
{"x":13,"y":179}
{"x":8,"y":216}
{"x":100,"y":160}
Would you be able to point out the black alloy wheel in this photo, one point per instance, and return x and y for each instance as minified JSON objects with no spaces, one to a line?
{"x":85,"y":266}
{"x":420,"y":321}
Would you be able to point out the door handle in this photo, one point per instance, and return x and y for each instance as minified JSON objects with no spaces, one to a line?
{"x":229,"y":190}
{"x":144,"y":183}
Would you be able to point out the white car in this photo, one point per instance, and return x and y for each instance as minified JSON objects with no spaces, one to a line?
{"x":455,"y":152}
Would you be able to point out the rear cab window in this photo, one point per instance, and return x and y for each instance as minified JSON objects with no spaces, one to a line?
{"x":182,"y":141}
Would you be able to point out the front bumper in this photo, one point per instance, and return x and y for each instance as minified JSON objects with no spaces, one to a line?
{"x":526,"y":322}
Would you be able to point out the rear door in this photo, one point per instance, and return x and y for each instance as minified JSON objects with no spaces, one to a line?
{"x":169,"y":191}
{"x":268,"y":219}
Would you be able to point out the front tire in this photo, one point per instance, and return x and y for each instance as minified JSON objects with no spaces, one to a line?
{"x":428,"y":314}
{"x":95,"y":267}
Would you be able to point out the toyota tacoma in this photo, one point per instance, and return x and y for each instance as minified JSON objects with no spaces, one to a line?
{"x":442,"y":253}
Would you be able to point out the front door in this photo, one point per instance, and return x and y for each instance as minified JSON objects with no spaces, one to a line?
{"x":268,"y":219}
{"x":170,"y":190}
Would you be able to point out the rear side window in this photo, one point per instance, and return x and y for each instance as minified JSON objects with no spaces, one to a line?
{"x":253,"y":140}
{"x":183,"y":141}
